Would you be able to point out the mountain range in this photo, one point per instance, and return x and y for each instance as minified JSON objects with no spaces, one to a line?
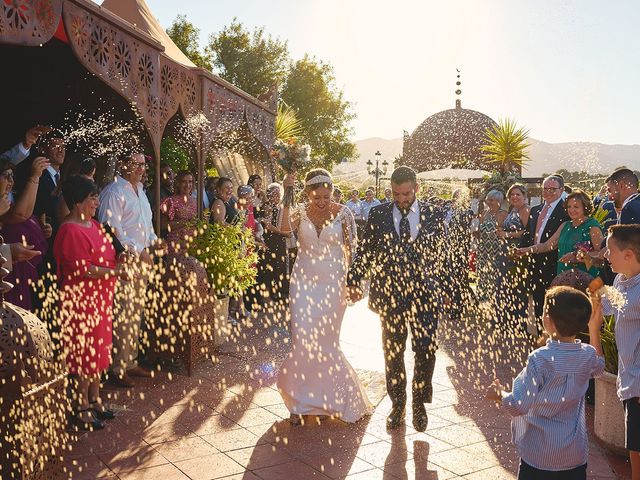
{"x":545,"y":157}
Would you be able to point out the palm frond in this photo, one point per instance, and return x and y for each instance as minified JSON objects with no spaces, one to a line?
{"x":506,"y":145}
{"x":288,"y":125}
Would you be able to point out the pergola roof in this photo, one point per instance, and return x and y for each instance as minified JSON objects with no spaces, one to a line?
{"x":138,"y":14}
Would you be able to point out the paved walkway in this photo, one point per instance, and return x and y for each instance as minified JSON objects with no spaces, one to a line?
{"x":228,"y":421}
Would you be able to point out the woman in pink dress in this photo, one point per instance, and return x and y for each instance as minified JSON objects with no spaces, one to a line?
{"x":87,"y":271}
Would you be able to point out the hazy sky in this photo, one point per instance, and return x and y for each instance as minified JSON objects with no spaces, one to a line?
{"x":568,"y":70}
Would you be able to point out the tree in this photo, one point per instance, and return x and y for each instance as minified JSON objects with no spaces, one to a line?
{"x":185,"y":35}
{"x":506,"y":145}
{"x":322,"y":109}
{"x":251,"y":61}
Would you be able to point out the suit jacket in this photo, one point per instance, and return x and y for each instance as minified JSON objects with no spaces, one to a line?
{"x":544,"y":266}
{"x":402,"y":274}
{"x":47,"y":200}
{"x":630,"y":213}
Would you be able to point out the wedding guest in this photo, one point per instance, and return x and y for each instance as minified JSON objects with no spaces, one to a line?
{"x":547,"y":401}
{"x":511,"y":291}
{"x":20,"y":225}
{"x":178,"y":210}
{"x":489,"y":246}
{"x":79,"y":165}
{"x":124,"y":205}
{"x":337,"y":195}
{"x":623,"y":252}
{"x":49,"y":190}
{"x":20,"y":151}
{"x":210,"y":189}
{"x":255,"y":182}
{"x":368,"y":203}
{"x":544,"y":221}
{"x":581,"y":232}
{"x":355,"y":205}
{"x":388,"y":196}
{"x":273,"y":264}
{"x":167,"y":178}
{"x":223,"y":211}
{"x":86,"y":262}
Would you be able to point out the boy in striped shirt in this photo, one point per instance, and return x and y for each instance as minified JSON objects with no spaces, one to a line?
{"x":623,"y":252}
{"x":547,"y":398}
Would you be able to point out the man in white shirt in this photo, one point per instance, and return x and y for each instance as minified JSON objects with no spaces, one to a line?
{"x":355,"y":205}
{"x":124,"y":205}
{"x":368,"y":203}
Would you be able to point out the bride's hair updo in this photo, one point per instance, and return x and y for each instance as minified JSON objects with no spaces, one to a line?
{"x":316,"y":178}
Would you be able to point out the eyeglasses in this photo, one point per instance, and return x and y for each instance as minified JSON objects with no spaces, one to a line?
{"x":550,"y":189}
{"x":140,"y":165}
{"x":8,"y":174}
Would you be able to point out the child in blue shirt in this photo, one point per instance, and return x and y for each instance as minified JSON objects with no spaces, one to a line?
{"x":547,"y":399}
{"x":623,"y":253}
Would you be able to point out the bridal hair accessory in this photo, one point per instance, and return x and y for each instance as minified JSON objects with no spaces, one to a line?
{"x":318,"y":179}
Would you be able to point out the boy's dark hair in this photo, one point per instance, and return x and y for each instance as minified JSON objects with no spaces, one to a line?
{"x":403,"y":174}
{"x":76,"y":189}
{"x":627,"y":236}
{"x":570,"y":310}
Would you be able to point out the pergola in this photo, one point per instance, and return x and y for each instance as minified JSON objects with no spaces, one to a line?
{"x":121,"y":46}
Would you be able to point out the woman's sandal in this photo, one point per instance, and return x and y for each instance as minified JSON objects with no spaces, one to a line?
{"x":101,"y":412}
{"x":92,"y":424}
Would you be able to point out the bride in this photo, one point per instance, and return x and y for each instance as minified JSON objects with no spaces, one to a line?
{"x":316,"y":378}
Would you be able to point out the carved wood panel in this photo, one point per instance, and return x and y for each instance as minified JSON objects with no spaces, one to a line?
{"x":28,"y":22}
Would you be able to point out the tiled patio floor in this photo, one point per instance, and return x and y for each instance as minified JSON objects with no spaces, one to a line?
{"x":228,"y":421}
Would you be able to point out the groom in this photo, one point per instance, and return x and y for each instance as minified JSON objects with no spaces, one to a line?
{"x":402,"y":250}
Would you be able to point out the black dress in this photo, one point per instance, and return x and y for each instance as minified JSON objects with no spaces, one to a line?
{"x":273,"y":263}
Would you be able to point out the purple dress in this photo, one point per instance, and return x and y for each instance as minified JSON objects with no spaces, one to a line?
{"x":24,"y":274}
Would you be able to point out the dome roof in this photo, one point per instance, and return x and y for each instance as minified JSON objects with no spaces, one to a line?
{"x":448,"y":138}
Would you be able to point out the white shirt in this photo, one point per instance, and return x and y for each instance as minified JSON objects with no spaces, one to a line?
{"x":413,"y":216}
{"x":53,"y":172}
{"x":128,"y":213}
{"x":367,"y":206}
{"x":552,"y":207}
{"x":355,"y":207}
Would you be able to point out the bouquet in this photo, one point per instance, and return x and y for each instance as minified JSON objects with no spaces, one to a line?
{"x":291,"y":156}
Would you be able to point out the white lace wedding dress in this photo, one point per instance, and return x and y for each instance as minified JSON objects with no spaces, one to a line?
{"x":316,"y":378}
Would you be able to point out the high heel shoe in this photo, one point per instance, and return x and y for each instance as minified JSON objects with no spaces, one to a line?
{"x":92,"y":424}
{"x":101,"y":412}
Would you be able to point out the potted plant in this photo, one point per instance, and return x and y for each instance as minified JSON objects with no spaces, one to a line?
{"x":609,"y":414}
{"x":228,"y":254}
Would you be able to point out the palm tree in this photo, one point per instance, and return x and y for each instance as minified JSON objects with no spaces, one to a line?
{"x":288,"y":125}
{"x":506,"y":145}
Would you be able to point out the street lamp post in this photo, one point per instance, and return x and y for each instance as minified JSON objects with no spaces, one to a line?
{"x":377,"y":172}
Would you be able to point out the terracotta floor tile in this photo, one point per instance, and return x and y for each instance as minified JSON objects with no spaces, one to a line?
{"x":418,"y":468}
{"x":257,"y":416}
{"x":382,"y":453}
{"x":373,"y":474}
{"x":213,"y":424}
{"x":337,"y":465}
{"x":233,"y":439}
{"x":457,"y":435}
{"x":493,"y":473}
{"x":128,"y":460}
{"x":166,"y":432}
{"x":459,"y":462}
{"x":208,"y":468}
{"x":295,"y":469}
{"x":164,"y":472}
{"x":185,"y":449}
{"x":260,"y":456}
{"x":87,"y":468}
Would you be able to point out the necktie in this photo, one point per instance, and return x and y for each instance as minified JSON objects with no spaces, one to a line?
{"x":541,"y":217}
{"x":405,"y":227}
{"x":56,"y":178}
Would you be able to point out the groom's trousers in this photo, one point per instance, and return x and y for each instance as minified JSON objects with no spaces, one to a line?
{"x":395,"y":329}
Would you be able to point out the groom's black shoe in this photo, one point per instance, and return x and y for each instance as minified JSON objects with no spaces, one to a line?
{"x":396,"y":417}
{"x":420,"y":418}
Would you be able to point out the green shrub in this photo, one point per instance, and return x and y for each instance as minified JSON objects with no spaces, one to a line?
{"x":228,"y":254}
{"x":609,"y":347}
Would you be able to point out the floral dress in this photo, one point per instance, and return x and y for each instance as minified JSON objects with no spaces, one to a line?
{"x":489,"y":248}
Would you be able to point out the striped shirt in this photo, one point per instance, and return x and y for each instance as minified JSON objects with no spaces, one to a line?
{"x":547,"y":403}
{"x":627,"y":335}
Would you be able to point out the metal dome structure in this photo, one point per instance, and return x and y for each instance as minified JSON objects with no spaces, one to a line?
{"x":451,"y":138}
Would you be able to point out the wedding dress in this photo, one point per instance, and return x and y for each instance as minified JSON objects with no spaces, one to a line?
{"x":316,"y":378}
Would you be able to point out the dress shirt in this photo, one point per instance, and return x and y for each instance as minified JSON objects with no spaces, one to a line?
{"x":627,"y":335}
{"x":413,"y":216}
{"x":367,"y":206}
{"x":128,"y":213}
{"x":53,"y":172}
{"x":547,"y":405}
{"x":552,"y":207}
{"x":356,"y":208}
{"x":16,"y":154}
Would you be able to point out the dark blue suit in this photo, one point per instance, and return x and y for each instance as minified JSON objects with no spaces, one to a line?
{"x":629,"y":215}
{"x":405,"y":290}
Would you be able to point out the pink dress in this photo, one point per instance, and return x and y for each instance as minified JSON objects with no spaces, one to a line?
{"x":85,"y":304}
